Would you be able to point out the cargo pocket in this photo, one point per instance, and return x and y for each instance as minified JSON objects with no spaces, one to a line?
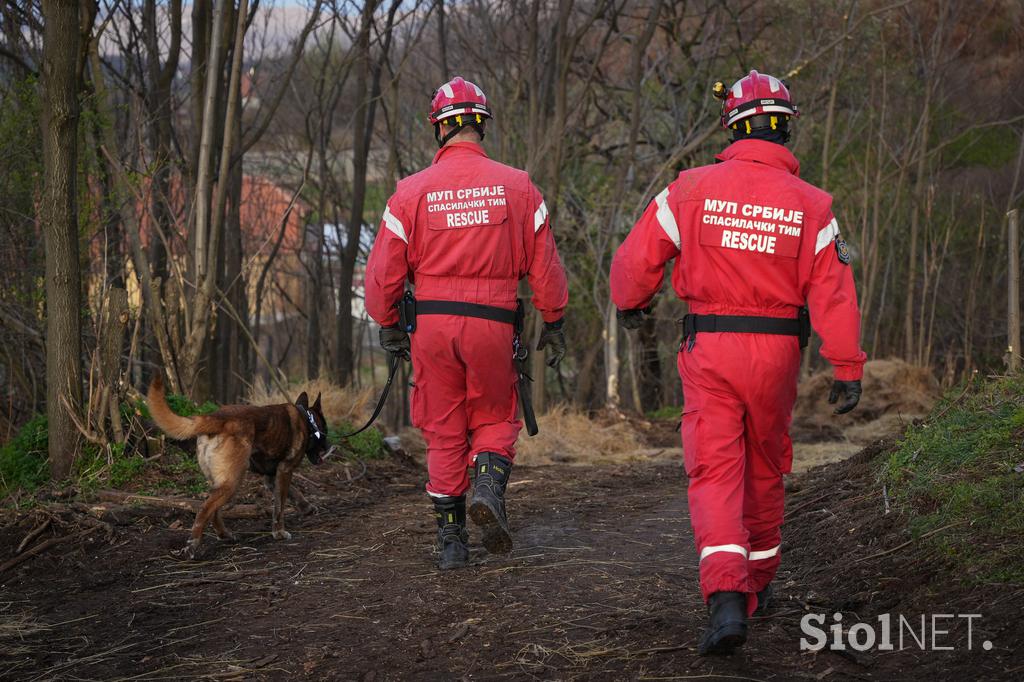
{"x":690,"y":428}
{"x":417,"y":407}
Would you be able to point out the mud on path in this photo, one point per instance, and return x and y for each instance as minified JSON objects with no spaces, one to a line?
{"x":602,"y":585}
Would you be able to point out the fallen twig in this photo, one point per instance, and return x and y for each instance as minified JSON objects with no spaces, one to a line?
{"x":40,"y":548}
{"x":909,"y":542}
{"x":819,"y":498}
{"x":238,"y":511}
{"x":33,"y":534}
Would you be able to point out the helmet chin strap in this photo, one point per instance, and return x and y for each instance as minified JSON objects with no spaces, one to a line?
{"x":766,"y":127}
{"x":443,"y":140}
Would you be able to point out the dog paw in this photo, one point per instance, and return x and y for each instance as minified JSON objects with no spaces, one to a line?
{"x":309,"y":509}
{"x":228,"y":536}
{"x":186,"y":553}
{"x":282,"y":535}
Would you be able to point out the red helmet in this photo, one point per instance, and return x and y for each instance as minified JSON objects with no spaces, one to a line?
{"x":458,"y":97}
{"x":756,"y":93}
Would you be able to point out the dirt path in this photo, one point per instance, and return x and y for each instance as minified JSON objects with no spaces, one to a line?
{"x":602,"y":585}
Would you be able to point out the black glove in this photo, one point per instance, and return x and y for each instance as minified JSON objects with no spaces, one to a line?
{"x":395,"y":340}
{"x":633,"y":318}
{"x":849,"y":391}
{"x":553,"y":336}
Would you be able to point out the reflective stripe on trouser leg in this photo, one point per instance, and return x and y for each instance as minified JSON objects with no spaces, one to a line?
{"x":758,"y":555}
{"x":712,"y":549}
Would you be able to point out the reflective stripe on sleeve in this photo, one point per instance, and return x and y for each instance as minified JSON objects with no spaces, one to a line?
{"x":394,"y":224}
{"x":539,"y":216}
{"x":712,"y":549}
{"x":826,"y":235}
{"x":765,"y":553}
{"x":665,"y":217}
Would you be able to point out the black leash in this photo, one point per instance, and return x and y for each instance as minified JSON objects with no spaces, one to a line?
{"x":393,"y":362}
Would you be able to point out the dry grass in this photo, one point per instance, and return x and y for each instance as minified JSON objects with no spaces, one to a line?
{"x":340,"y":405}
{"x":567,"y":436}
{"x":571,"y":436}
{"x":895,"y":393}
{"x":17,"y":631}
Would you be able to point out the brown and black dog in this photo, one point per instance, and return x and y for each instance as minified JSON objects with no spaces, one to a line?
{"x":268,"y":440}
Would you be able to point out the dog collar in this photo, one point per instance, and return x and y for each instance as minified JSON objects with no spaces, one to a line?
{"x":314,"y":429}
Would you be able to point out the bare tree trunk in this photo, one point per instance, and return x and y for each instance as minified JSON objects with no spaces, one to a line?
{"x":316,"y":284}
{"x":160,"y":112}
{"x":442,"y":40}
{"x":201,"y":22}
{"x":915,"y":228}
{"x":611,"y":364}
{"x":210,"y":209}
{"x":362,"y":131}
{"x":111,"y":345}
{"x":232,"y":354}
{"x":58,"y":214}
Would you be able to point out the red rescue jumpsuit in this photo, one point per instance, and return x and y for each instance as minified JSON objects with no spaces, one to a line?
{"x":465,"y":229}
{"x":749,"y":238}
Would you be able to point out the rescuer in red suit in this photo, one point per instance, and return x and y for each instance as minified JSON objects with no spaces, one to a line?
{"x":753,"y":245}
{"x":464,"y":231}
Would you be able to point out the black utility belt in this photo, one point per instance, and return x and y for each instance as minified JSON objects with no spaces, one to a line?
{"x":409,"y":308}
{"x":746,"y":324}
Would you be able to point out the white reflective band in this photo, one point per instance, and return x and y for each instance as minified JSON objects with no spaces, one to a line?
{"x":826,"y":235}
{"x":394,"y":224}
{"x":665,"y":217}
{"x":447,"y":90}
{"x":736,"y":549}
{"x":773,"y":83}
{"x":776,"y":109}
{"x":764,"y":553}
{"x":540,"y":216}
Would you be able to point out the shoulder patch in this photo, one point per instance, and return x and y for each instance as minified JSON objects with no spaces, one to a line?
{"x":842,"y":250}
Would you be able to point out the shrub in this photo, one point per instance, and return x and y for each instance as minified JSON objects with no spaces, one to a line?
{"x":367,"y":445}
{"x":23,"y":458}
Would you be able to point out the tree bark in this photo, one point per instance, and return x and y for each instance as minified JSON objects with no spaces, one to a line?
{"x":58,"y":214}
{"x":111,"y":346}
{"x":159,"y":109}
{"x":442,"y":41}
{"x":362,"y":127}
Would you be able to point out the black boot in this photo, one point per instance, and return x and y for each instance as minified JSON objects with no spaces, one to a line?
{"x":452,"y":538}
{"x":764,"y":600}
{"x":728,"y":627}
{"x":488,"y":508}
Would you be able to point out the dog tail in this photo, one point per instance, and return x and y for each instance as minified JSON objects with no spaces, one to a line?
{"x":174,"y":425}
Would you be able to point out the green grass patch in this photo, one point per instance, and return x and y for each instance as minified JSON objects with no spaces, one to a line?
{"x":666,"y":412}
{"x":367,"y":445}
{"x":992,"y":147}
{"x":97,"y":468}
{"x":176,"y":472}
{"x":956,"y":474}
{"x":23,"y":458}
